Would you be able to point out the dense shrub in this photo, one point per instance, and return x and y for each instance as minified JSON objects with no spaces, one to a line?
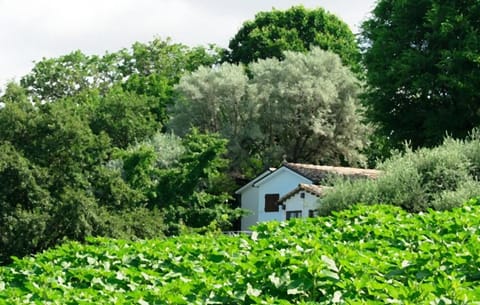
{"x":133,"y":224}
{"x":438,"y":178}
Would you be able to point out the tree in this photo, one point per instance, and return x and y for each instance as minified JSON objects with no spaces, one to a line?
{"x":140,"y":69}
{"x":304,"y":108}
{"x":309,"y":109}
{"x":296,"y":29}
{"x":191,"y":190}
{"x":422,"y":69}
{"x":196,"y":190}
{"x":215,"y":100}
{"x":55,"y":78}
{"x":24,"y":204}
{"x":62,"y":143}
{"x":125,"y":117}
{"x":55,"y":182}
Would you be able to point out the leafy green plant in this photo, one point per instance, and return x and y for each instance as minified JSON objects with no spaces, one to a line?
{"x":365,"y":255}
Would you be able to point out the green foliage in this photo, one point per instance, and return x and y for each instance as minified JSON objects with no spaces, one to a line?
{"x":82,"y":154}
{"x":54,"y":176}
{"x":55,"y":78}
{"x":366,"y":255}
{"x":183,"y":178}
{"x":195,"y":191}
{"x":132,"y":223}
{"x":62,"y":180}
{"x":146,"y":72}
{"x":304,"y":108}
{"x":422,"y":66}
{"x":48,"y":153}
{"x":439,"y":178}
{"x":138,"y":164}
{"x":125,"y":117}
{"x":146,"y":68}
{"x":153,"y":90}
{"x":298,"y":29}
{"x":111,"y":189}
{"x":24,"y":204}
{"x":309,"y":109}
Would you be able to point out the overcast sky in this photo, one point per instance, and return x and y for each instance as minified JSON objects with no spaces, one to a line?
{"x":33,"y":29}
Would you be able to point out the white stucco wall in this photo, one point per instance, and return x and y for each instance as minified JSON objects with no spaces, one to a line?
{"x":296,"y":203}
{"x":280,"y":182}
{"x":283,"y":182}
{"x":249,"y":201}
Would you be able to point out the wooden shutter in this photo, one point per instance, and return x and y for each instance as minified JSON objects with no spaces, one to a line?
{"x":271,"y":202}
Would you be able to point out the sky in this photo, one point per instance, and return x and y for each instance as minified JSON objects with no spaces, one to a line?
{"x":34,"y":29}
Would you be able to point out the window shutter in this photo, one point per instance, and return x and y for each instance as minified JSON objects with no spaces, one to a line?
{"x":271,"y":202}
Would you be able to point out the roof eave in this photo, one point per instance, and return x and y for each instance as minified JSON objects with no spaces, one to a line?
{"x":255,"y":180}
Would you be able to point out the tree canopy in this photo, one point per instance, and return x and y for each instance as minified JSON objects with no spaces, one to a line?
{"x":63,"y":179}
{"x":423,"y":69}
{"x":304,"y":108}
{"x":81,"y":152}
{"x":309,"y":109}
{"x":149,"y":69}
{"x":215,"y":100}
{"x":296,"y":29}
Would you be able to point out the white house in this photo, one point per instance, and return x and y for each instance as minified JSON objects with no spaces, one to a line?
{"x":303,"y":201}
{"x":290,"y":191}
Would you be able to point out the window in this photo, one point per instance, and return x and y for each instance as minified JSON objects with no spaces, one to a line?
{"x":312,"y":213}
{"x":271,"y":202}
{"x":294,"y":214}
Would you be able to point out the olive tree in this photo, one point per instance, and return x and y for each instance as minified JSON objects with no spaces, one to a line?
{"x":304,"y":108}
{"x":309,"y":109}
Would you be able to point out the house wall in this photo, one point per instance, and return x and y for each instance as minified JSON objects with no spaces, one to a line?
{"x":249,"y":201}
{"x":296,"y":203}
{"x":281,"y":183}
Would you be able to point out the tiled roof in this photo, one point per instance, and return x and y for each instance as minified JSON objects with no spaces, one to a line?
{"x":316,"y":190}
{"x":318,"y":173}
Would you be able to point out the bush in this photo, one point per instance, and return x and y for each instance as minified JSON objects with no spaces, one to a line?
{"x":133,"y":224}
{"x":440,"y":178}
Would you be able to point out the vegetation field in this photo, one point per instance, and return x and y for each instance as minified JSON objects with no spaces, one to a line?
{"x":366,"y":255}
